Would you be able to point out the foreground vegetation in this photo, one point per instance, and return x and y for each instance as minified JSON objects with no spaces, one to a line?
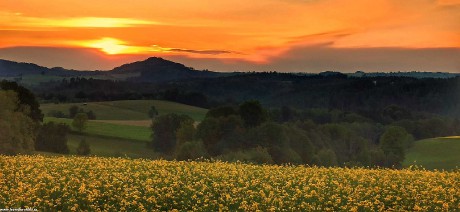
{"x":91,"y":184}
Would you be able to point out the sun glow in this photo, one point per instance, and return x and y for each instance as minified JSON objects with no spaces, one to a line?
{"x":113,"y":46}
{"x":108,"y":45}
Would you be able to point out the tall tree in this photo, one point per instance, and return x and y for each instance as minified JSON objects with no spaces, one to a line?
{"x":17,"y":129}
{"x":393,"y":142}
{"x":52,"y":137}
{"x":26,"y":98}
{"x":83,"y":148}
{"x":164,"y":129}
{"x":221,"y":111}
{"x":73,"y":110}
{"x":79,"y":122}
{"x":153,"y":112}
{"x":252,"y":113}
{"x":186,"y":132}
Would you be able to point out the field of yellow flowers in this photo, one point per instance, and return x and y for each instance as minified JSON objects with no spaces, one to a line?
{"x":118,"y":184}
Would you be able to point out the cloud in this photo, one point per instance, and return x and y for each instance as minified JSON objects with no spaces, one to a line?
{"x":323,"y":57}
{"x":210,"y":52}
{"x":18,"y":20}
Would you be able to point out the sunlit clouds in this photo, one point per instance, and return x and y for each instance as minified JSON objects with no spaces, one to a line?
{"x":18,"y":21}
{"x":231,"y":32}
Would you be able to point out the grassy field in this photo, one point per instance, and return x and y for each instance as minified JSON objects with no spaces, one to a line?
{"x":140,"y":123}
{"x":120,"y":184}
{"x":140,"y":133}
{"x":111,"y":147}
{"x":106,"y":147}
{"x":129,"y":109}
{"x":435,"y":153}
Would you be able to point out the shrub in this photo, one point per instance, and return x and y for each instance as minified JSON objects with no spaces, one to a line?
{"x":83,"y":148}
{"x":258,"y":155}
{"x":191,"y":150}
{"x":52,"y":137}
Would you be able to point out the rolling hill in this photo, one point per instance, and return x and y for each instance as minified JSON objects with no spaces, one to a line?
{"x":122,"y":127}
{"x":156,"y":69}
{"x":16,"y":69}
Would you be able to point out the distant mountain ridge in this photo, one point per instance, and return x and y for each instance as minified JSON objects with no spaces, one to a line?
{"x":18,"y":69}
{"x":153,"y":69}
{"x":156,"y":69}
{"x":12,"y":69}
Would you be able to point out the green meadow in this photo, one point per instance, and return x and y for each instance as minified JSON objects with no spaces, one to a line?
{"x":435,"y":153}
{"x":111,"y":147}
{"x":103,"y":129}
{"x":129,"y":109}
{"x":122,"y":128}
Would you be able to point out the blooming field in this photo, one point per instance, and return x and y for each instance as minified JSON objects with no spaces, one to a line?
{"x":90,"y":184}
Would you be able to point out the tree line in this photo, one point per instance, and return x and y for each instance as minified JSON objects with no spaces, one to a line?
{"x":362,"y":95}
{"x":252,"y":133}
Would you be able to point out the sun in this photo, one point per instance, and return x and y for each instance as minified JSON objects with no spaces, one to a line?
{"x":113,"y":46}
{"x":109,"y":46}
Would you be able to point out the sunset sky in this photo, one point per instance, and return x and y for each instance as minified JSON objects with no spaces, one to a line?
{"x":236,"y":35}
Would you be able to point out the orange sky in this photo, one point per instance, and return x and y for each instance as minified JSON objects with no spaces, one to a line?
{"x":233,"y":34}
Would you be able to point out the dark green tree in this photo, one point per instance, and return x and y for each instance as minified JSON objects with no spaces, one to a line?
{"x":252,"y":113}
{"x":52,"y":137}
{"x":377,"y":157}
{"x":17,"y":129}
{"x":395,"y":113}
{"x":73,"y":110}
{"x":286,"y":114}
{"x":153,"y":112}
{"x":186,"y":132}
{"x":222,"y":111}
{"x":210,"y":133}
{"x":455,"y":126}
{"x":224,"y":133}
{"x":300,"y":143}
{"x":164,"y":129}
{"x":393,"y":142}
{"x":191,"y":150}
{"x":83,"y":148}
{"x":268,"y":135}
{"x":26,"y":98}
{"x":91,"y":115}
{"x":327,"y":157}
{"x":79,"y":121}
